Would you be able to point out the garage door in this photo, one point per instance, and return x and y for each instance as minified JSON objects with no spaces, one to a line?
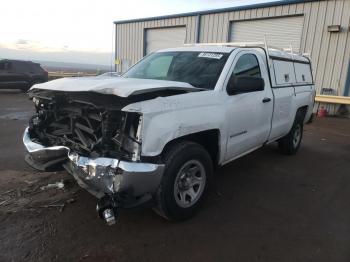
{"x":280,"y":32}
{"x":161,"y":38}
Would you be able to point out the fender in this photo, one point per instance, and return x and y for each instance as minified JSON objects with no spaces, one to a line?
{"x":168,"y":118}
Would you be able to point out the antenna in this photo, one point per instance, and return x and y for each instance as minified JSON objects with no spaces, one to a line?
{"x":291,"y":49}
{"x":267,"y":52}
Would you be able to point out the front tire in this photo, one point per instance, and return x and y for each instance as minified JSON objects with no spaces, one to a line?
{"x":185,"y":182}
{"x":290,"y":144}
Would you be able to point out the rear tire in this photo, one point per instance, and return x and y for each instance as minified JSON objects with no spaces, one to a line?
{"x":25,"y":89}
{"x":185,"y":182}
{"x":290,"y":144}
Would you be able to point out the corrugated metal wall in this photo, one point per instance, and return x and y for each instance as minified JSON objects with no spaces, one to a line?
{"x":130,"y":36}
{"x":165,"y":37}
{"x":330,"y":52}
{"x":283,"y":31}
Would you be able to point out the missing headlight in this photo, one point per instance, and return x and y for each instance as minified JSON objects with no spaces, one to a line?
{"x":129,"y":137}
{"x":86,"y":128}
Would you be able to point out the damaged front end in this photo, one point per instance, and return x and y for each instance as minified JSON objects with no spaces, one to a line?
{"x":95,"y":141}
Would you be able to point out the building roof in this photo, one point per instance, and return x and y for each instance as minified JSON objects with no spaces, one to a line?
{"x":221,"y":10}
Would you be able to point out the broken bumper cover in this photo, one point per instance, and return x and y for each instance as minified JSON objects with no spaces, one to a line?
{"x":99,"y":176}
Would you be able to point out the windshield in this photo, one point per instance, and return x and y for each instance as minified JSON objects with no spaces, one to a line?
{"x":200,"y":69}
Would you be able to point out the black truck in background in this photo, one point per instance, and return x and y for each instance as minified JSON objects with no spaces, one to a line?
{"x":17,"y":74}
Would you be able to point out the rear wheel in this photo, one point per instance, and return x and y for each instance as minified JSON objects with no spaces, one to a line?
{"x":28,"y":86}
{"x":290,"y":144}
{"x":34,"y":82}
{"x":188,"y":171}
{"x":25,"y":89}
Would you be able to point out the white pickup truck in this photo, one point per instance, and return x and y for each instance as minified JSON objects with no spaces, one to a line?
{"x":157,"y":133}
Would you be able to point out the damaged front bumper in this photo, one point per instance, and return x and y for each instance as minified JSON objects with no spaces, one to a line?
{"x":100,"y":176}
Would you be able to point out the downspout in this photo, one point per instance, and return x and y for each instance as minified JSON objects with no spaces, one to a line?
{"x":198,"y":28}
{"x":115,"y":50}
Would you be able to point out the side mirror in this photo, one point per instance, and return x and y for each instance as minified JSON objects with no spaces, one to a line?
{"x":244,"y":84}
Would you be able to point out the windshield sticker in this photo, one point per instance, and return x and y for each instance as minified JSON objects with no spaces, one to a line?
{"x":211,"y":55}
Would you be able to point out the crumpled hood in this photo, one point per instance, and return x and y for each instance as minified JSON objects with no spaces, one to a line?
{"x":118,"y":86}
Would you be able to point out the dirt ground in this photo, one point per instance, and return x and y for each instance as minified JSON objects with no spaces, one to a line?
{"x":264,"y":207}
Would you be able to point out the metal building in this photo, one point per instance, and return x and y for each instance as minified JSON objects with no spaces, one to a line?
{"x":320,"y":28}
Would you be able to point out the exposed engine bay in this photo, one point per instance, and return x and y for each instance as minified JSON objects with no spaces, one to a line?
{"x":91,"y":125}
{"x":92,"y":133}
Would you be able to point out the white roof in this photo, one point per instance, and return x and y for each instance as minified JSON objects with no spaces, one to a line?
{"x":228,"y":47}
{"x":200,"y":48}
{"x":288,"y":55}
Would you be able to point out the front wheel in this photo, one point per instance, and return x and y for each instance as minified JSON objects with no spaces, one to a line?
{"x":184,"y":186}
{"x":290,"y":144}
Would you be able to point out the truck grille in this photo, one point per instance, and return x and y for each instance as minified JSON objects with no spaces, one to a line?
{"x":84,"y":128}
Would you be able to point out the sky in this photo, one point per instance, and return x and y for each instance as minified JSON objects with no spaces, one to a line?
{"x":80,"y":31}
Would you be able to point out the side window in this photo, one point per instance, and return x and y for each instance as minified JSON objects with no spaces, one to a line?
{"x":159,"y":67}
{"x":21,"y":67}
{"x":5,"y":65}
{"x":247,"y":65}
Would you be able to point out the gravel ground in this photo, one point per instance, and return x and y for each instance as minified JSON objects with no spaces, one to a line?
{"x":264,"y":207}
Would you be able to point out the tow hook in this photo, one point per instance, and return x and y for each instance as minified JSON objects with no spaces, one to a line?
{"x":107,"y":209}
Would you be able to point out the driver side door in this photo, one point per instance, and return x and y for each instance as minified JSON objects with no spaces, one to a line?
{"x":248,"y":114}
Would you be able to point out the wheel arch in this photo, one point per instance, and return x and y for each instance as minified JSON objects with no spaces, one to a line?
{"x":209,"y":139}
{"x":302,"y":110}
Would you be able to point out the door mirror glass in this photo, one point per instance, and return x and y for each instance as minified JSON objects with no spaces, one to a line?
{"x":245,"y":84}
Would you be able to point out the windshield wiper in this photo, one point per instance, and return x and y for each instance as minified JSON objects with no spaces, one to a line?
{"x":201,"y":88}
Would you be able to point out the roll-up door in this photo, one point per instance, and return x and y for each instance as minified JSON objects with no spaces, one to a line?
{"x":160,"y":38}
{"x":280,"y":32}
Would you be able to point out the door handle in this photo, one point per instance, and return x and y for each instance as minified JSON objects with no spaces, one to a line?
{"x":266,"y":100}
